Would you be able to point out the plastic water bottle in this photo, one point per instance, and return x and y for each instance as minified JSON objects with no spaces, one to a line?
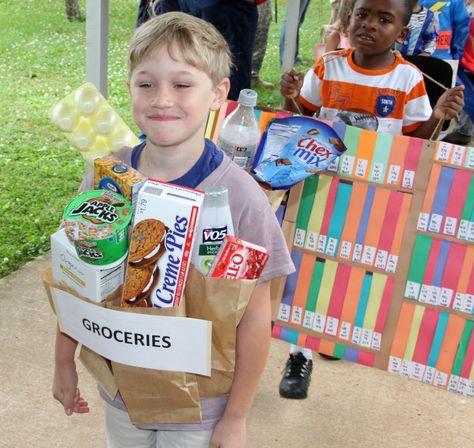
{"x":240,"y":132}
{"x":215,"y":222}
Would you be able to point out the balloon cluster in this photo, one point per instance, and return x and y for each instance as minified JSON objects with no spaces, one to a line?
{"x":91,"y":124}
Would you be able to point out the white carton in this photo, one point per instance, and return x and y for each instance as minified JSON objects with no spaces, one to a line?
{"x":178,"y":208}
{"x":92,"y":282}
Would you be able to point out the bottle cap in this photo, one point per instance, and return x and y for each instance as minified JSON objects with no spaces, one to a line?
{"x":215,"y":196}
{"x":248,"y":97}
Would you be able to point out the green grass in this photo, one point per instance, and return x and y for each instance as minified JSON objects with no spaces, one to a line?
{"x":43,"y":59}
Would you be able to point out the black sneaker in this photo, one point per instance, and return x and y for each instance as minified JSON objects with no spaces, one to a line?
{"x":296,"y":377}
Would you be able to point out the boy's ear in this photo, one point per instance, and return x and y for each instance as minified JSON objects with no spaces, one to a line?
{"x":128,"y":86}
{"x":402,"y":37}
{"x":221,"y":91}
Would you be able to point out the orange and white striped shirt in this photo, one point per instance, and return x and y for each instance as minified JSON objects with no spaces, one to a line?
{"x":391,"y":100}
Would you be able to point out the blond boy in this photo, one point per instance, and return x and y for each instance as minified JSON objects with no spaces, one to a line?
{"x":178,"y":72}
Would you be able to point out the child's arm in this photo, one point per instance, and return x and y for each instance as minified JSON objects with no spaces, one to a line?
{"x":290,"y":86}
{"x":332,"y":41}
{"x":449,"y":104}
{"x":65,"y":376}
{"x":253,"y":340}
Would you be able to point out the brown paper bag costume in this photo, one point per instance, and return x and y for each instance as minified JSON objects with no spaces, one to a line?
{"x":156,"y":396}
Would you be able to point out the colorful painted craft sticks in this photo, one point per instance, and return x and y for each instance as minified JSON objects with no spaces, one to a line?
{"x":441,"y":274}
{"x":337,"y":299}
{"x":455,"y":154}
{"x":449,"y":203}
{"x":323,"y":346}
{"x":380,"y":158}
{"x":434,"y":347}
{"x":352,"y":221}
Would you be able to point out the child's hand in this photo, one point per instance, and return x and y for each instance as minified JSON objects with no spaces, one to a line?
{"x":65,"y":389}
{"x":290,"y":84}
{"x":449,"y":104}
{"x":229,"y":433}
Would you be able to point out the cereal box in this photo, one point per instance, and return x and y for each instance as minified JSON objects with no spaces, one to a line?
{"x":160,"y":245}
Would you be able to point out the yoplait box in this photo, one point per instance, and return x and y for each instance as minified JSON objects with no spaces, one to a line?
{"x":95,"y":283}
{"x":239,"y":259}
{"x":161,"y":244}
{"x":110,"y":173}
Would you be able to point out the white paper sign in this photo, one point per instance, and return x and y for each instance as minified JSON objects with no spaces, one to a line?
{"x":141,"y":340}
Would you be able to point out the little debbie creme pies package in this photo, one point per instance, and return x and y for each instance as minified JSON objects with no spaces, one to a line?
{"x":160,"y":245}
{"x":294,"y":148}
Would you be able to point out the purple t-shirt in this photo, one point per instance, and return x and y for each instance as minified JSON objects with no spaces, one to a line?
{"x":253,"y":220}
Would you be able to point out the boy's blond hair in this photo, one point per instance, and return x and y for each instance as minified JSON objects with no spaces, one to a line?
{"x":196,"y":41}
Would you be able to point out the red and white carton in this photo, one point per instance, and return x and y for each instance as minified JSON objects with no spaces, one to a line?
{"x":239,"y":259}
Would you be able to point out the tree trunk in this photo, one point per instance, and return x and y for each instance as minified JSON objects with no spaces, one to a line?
{"x":73,"y":12}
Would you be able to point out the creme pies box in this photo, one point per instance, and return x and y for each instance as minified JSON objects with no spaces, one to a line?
{"x":92,"y":282}
{"x":164,"y":227}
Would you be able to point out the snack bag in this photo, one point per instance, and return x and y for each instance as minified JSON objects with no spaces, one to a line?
{"x":294,"y":148}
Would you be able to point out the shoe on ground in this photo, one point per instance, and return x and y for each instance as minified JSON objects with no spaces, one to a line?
{"x":296,"y":377}
{"x":258,"y":82}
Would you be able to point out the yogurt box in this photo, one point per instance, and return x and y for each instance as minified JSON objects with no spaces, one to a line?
{"x":161,"y":244}
{"x":93,"y":283}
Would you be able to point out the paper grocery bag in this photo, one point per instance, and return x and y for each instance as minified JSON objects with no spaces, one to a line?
{"x":95,"y":364}
{"x":157,"y":396}
{"x":222,"y":301}
{"x":151,"y":396}
{"x":275,"y":197}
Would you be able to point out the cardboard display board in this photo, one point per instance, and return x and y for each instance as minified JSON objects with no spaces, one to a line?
{"x":384,"y":255}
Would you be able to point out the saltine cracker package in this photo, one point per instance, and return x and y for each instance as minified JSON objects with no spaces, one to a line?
{"x":161,"y":244}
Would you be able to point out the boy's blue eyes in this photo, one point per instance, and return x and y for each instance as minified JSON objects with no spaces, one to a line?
{"x":147,"y":85}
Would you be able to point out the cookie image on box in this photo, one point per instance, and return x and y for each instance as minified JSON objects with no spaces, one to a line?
{"x":147,"y":242}
{"x":139,"y":284}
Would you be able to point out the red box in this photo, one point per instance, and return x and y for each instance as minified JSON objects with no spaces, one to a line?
{"x":239,"y":259}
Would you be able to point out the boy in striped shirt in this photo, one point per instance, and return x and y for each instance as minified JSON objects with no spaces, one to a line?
{"x":370,"y":86}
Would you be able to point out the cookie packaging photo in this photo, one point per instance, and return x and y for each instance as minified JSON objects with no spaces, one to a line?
{"x":161,"y":244}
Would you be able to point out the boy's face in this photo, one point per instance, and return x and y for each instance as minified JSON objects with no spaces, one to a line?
{"x":376,"y":24}
{"x":171,"y":99}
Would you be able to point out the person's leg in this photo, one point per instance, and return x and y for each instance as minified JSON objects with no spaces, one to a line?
{"x":303,"y":8}
{"x":237,"y":21}
{"x":297,"y":373}
{"x":183,"y":439}
{"x":121,"y":433}
{"x":260,"y":47}
{"x":244,"y":18}
{"x":302,"y":13}
{"x":143,"y":13}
